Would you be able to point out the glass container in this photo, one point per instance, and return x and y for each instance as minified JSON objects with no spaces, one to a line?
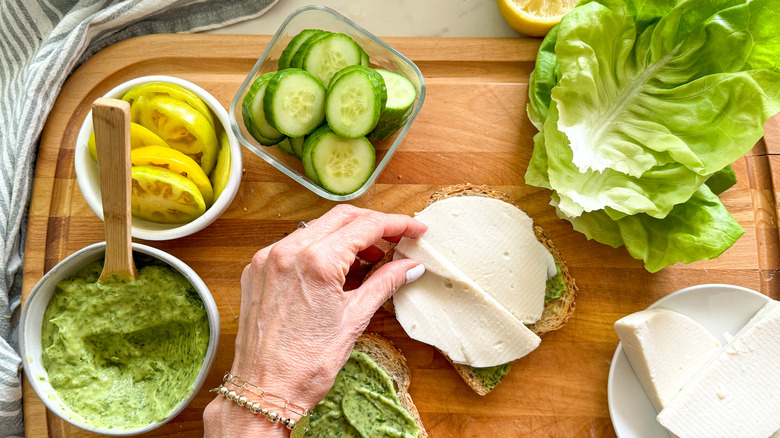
{"x":381,"y":56}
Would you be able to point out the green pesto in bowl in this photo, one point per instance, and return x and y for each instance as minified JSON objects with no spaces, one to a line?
{"x":123,"y":355}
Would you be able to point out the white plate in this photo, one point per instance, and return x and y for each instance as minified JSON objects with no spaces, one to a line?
{"x":720,"y":308}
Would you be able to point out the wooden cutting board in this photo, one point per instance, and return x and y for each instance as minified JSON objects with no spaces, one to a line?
{"x":472,"y":128}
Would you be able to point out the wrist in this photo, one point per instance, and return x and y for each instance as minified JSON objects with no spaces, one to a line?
{"x":301,"y":387}
{"x":223,"y":417}
{"x":258,"y":401}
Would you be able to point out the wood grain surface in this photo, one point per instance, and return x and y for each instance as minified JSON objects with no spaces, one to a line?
{"x":472,"y":129}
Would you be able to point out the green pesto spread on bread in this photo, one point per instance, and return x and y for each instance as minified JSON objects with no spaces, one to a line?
{"x":556,"y":286}
{"x":362,"y":403}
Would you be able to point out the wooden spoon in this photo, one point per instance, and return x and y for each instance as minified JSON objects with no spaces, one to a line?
{"x":111,"y":119}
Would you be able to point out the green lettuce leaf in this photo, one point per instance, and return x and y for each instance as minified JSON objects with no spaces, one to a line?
{"x":543,"y":78}
{"x":695,"y":88}
{"x":656,"y":192}
{"x":536,"y":173}
{"x":699,"y":229}
{"x":722,"y":180}
{"x":546,"y":73}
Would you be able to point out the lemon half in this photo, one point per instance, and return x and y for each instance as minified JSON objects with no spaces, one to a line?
{"x":534,"y":17}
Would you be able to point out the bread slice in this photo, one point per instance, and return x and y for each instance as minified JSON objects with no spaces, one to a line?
{"x":554,"y":316}
{"x":385,"y":355}
{"x":393,"y":362}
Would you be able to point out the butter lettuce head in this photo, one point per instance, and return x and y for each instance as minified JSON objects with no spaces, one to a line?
{"x":638,"y":104}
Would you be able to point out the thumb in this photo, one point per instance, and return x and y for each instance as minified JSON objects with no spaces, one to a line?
{"x":384,"y":282}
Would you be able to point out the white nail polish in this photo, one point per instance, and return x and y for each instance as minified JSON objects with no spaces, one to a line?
{"x":415,"y":273}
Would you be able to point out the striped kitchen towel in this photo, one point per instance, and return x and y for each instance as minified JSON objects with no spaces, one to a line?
{"x":41,"y":43}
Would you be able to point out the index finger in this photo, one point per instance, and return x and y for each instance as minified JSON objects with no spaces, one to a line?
{"x":366,"y":229}
{"x":334,"y":219}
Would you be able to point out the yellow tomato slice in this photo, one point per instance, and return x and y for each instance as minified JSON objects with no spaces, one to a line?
{"x":139,"y":137}
{"x":176,"y":161}
{"x":180,"y":126}
{"x":172,"y":90}
{"x":219,"y":176}
{"x":161,"y":195}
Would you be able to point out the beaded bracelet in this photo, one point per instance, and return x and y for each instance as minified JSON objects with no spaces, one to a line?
{"x":256,"y":407}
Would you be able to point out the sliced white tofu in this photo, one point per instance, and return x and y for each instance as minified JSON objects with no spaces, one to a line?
{"x":492,"y":243}
{"x":446,"y":309}
{"x":738,"y":393}
{"x":422,"y":251}
{"x":665,"y":349}
{"x":485,"y":279}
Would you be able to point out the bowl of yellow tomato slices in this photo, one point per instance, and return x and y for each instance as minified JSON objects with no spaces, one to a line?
{"x":185,"y":164}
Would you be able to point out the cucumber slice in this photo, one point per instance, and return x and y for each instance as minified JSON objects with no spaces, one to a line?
{"x":294,"y":45}
{"x":376,"y":77}
{"x":354,"y":101}
{"x":285,"y":146}
{"x":341,"y":165}
{"x":297,"y":145}
{"x":387,"y":127}
{"x":254,"y":115}
{"x":292,"y":146}
{"x":297,"y":59}
{"x":260,"y":139}
{"x":308,"y":169}
{"x":330,"y":54}
{"x":401,"y":94}
{"x":365,"y":61}
{"x":294,"y":102}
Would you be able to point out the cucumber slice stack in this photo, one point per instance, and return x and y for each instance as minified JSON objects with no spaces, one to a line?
{"x":293,"y":46}
{"x":253,"y":112}
{"x":325,"y":105}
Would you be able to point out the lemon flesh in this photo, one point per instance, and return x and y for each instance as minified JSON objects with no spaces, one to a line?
{"x":534,"y":17}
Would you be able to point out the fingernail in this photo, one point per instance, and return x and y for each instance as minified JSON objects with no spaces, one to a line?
{"x":415,"y":273}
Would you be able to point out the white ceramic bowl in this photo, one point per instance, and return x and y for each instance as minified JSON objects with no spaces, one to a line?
{"x":89,"y":181}
{"x":32,"y":319}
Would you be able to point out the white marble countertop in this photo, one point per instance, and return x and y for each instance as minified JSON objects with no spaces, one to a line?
{"x":422,"y":18}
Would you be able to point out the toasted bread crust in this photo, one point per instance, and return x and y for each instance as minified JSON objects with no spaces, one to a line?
{"x":468,"y":190}
{"x":393,"y":362}
{"x":555,"y":314}
{"x":466,"y":372}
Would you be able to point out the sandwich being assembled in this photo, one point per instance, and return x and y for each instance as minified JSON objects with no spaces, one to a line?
{"x":493,"y":283}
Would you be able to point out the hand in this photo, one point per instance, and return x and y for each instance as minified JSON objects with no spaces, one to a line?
{"x":297,"y":324}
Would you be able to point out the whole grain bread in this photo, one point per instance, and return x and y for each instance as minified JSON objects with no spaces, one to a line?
{"x":555,"y":314}
{"x":393,"y":362}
